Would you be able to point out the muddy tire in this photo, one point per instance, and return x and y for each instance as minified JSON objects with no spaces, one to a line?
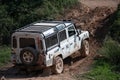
{"x":58,"y":65}
{"x":29,"y":56}
{"x":85,"y":48}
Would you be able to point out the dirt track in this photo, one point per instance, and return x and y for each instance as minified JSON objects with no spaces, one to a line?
{"x":92,"y":16}
{"x":100,"y":3}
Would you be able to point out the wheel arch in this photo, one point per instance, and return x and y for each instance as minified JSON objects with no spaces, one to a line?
{"x":60,"y":55}
{"x":86,"y":39}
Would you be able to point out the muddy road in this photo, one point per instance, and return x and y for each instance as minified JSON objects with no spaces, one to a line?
{"x":91,"y":15}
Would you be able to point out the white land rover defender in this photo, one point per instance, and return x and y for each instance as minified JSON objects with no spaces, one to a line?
{"x":47,"y":43}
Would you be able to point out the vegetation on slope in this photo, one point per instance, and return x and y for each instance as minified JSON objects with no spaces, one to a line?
{"x":115,"y":28}
{"x":17,"y":13}
{"x":4,"y":55}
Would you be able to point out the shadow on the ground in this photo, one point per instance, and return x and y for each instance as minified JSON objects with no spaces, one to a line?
{"x":14,"y":73}
{"x":103,"y":28}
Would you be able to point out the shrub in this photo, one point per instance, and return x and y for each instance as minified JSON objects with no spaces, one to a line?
{"x":115,"y":27}
{"x":100,"y":72}
{"x":4,"y":55}
{"x":17,"y":13}
{"x":111,"y":51}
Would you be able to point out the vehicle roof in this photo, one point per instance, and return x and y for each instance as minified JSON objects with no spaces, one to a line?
{"x":42,"y":26}
{"x":45,"y":27}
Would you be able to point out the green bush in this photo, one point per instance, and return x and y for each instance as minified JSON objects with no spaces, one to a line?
{"x":4,"y":55}
{"x":111,"y":51}
{"x":100,"y":72}
{"x":18,"y":13}
{"x":115,"y":27}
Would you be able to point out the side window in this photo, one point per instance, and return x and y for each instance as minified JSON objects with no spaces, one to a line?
{"x":62,"y":35}
{"x":14,"y":41}
{"x":51,"y":41}
{"x":71,"y":30}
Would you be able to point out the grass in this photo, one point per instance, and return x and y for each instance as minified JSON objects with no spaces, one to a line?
{"x":111,"y":51}
{"x":106,"y":67}
{"x":101,"y":71}
{"x":4,"y":55}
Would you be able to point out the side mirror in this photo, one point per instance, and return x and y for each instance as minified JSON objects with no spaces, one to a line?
{"x":78,"y":31}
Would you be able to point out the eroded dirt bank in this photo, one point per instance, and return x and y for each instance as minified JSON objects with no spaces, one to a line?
{"x":91,"y":15}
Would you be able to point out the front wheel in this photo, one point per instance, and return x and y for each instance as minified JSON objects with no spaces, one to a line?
{"x":85,"y":48}
{"x":58,"y":65}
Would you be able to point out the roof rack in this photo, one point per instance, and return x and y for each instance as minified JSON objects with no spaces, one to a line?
{"x":67,"y":20}
{"x":42,"y":21}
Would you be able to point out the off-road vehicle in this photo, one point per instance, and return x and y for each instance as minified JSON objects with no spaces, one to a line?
{"x":47,"y":43}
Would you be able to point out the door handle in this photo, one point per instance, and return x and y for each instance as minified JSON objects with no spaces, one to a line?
{"x":67,"y":46}
{"x":71,"y":43}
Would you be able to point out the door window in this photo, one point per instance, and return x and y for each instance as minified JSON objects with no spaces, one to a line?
{"x":62,"y":35}
{"x":71,"y":31}
{"x":51,"y":41}
{"x":14,"y":42}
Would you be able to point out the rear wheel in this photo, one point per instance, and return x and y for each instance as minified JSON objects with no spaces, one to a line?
{"x":29,"y":56}
{"x":58,"y":65}
{"x":85,"y":48}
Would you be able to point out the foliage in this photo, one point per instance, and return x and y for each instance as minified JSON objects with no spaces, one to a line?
{"x":18,"y":13}
{"x":4,"y":55}
{"x":115,"y":28}
{"x":101,"y":71}
{"x":111,"y":51}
